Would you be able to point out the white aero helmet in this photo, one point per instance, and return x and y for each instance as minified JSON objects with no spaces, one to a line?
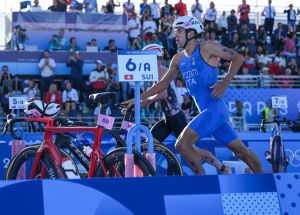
{"x":37,"y":108}
{"x":189,"y":22}
{"x":155,"y":47}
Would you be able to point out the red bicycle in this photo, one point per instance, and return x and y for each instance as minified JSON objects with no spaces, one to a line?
{"x":50,"y":162}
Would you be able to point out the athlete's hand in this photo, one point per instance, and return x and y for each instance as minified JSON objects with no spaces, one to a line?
{"x":218,"y":90}
{"x":126,"y":105}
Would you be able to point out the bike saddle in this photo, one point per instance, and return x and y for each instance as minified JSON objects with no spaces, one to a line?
{"x":101,"y":97}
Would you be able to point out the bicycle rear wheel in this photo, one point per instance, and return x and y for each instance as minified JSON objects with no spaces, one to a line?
{"x":21,"y":165}
{"x":167,"y":163}
{"x":115,"y":166}
{"x":276,"y":155}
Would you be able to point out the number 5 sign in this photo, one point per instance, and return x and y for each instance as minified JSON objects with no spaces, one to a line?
{"x":279,"y":102}
{"x":137,"y":66}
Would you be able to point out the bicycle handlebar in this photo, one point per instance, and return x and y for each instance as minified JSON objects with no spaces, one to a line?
{"x":289,"y":123}
{"x":10,"y":122}
{"x":9,"y":125}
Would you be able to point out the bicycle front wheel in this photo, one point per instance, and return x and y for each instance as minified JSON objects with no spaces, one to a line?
{"x":115,"y":166}
{"x":276,"y":155}
{"x":21,"y":165}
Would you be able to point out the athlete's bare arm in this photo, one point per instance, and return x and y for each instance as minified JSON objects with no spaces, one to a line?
{"x":160,"y":96}
{"x":163,"y":83}
{"x":216,"y":51}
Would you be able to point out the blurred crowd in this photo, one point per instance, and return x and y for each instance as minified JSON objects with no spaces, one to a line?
{"x":268,"y":50}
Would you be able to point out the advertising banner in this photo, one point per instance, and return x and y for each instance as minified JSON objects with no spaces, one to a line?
{"x":255,"y":100}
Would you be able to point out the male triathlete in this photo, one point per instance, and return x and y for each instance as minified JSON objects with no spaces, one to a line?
{"x":198,"y":65}
{"x":174,"y":120}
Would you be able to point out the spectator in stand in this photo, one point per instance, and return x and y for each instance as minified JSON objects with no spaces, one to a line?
{"x":32,"y":91}
{"x":249,"y":61}
{"x":36,"y":6}
{"x":155,"y":12}
{"x":62,"y":40}
{"x":149,"y":26}
{"x":128,"y":8}
{"x":99,"y":77}
{"x":244,"y":10}
{"x":279,"y":58}
{"x":197,"y":10}
{"x":211,"y":14}
{"x":274,"y":68}
{"x":62,"y":5}
{"x":146,"y":14}
{"x":54,"y":7}
{"x":155,"y":39}
{"x":265,"y":78}
{"x":206,"y":36}
{"x":47,"y":66}
{"x":5,"y":101}
{"x":93,"y":43}
{"x":244,"y":34}
{"x":235,"y":42}
{"x":6,"y":80}
{"x":223,"y":26}
{"x":18,"y":38}
{"x":111,"y":46}
{"x":110,"y":6}
{"x":167,"y":12}
{"x":181,"y":90}
{"x":291,"y":18}
{"x":54,"y":43}
{"x":76,"y":74}
{"x":279,"y":35}
{"x":144,"y":6}
{"x":213,"y":37}
{"x":286,"y":82}
{"x":180,"y":9}
{"x":53,"y":95}
{"x":90,"y":6}
{"x":293,"y":66}
{"x":290,"y":45}
{"x":261,"y":35}
{"x":69,"y":99}
{"x":260,"y":57}
{"x":232,"y":24}
{"x":252,"y":45}
{"x":269,"y":13}
{"x":73,"y":45}
{"x":113,"y":86}
{"x":134,"y":28}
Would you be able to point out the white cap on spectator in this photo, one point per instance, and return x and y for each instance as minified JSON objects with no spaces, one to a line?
{"x":99,"y":61}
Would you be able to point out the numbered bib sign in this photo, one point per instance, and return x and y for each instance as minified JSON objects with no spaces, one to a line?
{"x":279,"y":102}
{"x":105,"y":121}
{"x":137,"y":66}
{"x":126,"y":125}
{"x":17,"y":102}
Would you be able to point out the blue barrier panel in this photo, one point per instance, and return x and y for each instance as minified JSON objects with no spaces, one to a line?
{"x":230,"y":194}
{"x":256,"y":141}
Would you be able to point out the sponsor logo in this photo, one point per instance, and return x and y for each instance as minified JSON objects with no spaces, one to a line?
{"x":293,"y":157}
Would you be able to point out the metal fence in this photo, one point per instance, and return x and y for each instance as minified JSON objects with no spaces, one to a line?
{"x":264,"y":81}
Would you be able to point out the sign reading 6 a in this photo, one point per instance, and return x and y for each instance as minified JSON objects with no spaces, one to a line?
{"x":137,"y":66}
{"x":131,"y":66}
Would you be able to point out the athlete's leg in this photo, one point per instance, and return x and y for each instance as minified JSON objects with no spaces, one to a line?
{"x":160,"y":131}
{"x":246,"y":155}
{"x":184,"y":145}
{"x":212,"y":160}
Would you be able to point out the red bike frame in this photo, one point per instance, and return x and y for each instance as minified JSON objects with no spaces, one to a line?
{"x":48,"y":145}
